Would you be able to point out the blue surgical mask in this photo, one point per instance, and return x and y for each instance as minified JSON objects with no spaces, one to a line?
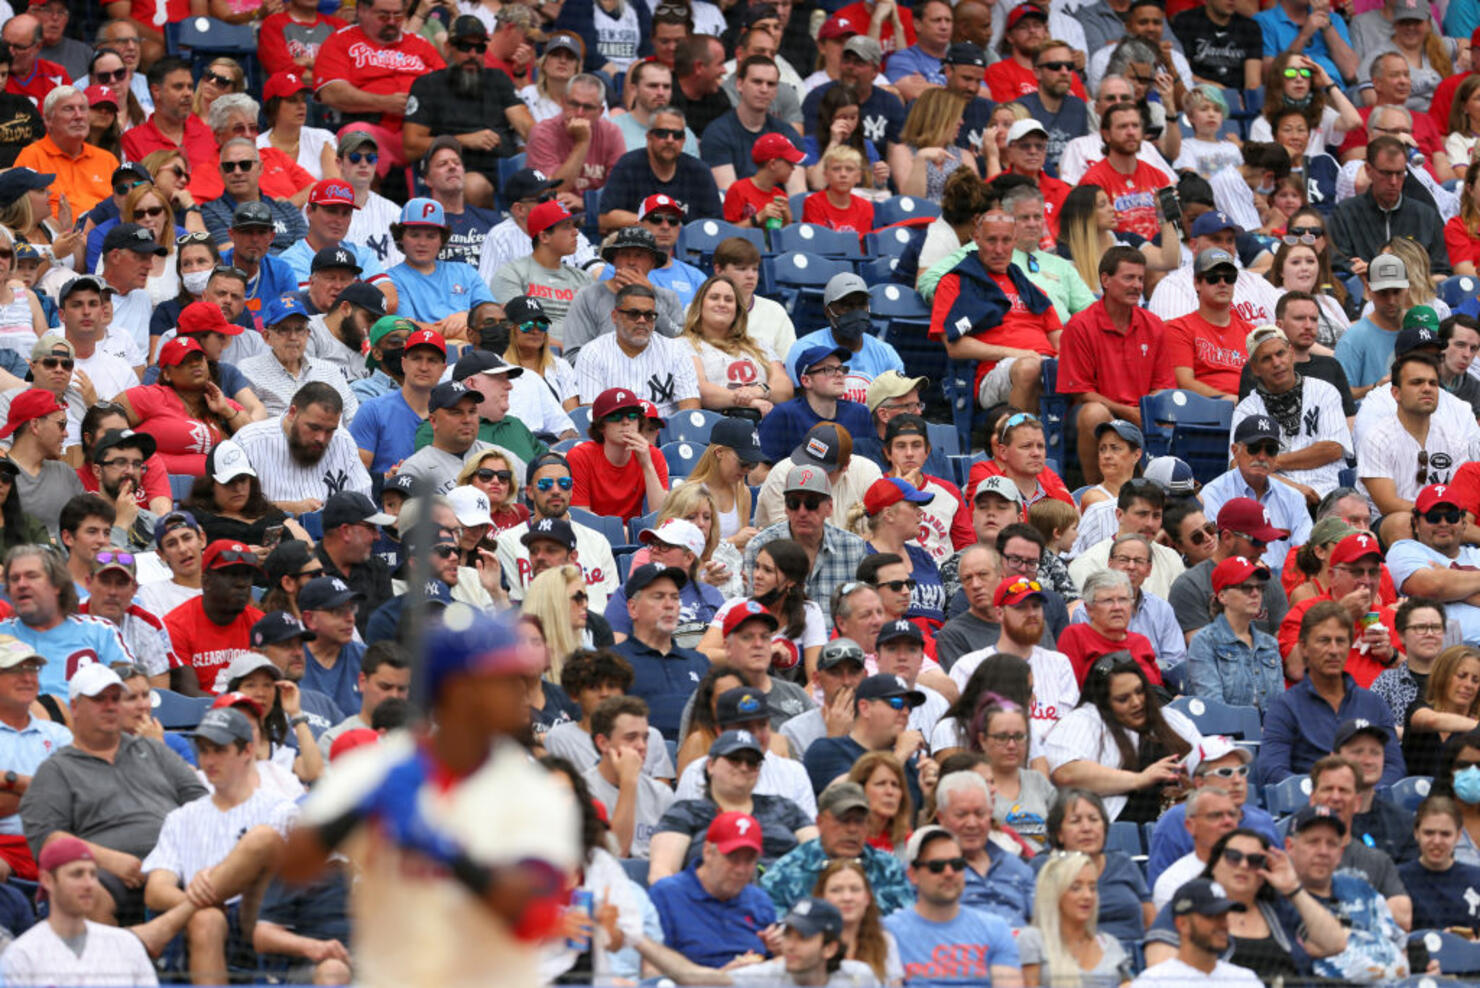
{"x":1467,"y":785}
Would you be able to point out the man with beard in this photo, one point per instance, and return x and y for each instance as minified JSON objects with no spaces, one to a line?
{"x":1062,"y":115}
{"x":445,"y":172}
{"x":475,"y":105}
{"x":1019,"y":601}
{"x":486,"y":374}
{"x":1129,"y":181}
{"x":282,"y":370}
{"x":252,"y":233}
{"x":337,"y":334}
{"x":548,"y":483}
{"x":46,"y":618}
{"x":117,"y":464}
{"x":366,"y":71}
{"x":659,"y":168}
{"x":1200,"y":914}
{"x":302,"y":456}
{"x":1015,"y":76}
{"x":211,"y":630}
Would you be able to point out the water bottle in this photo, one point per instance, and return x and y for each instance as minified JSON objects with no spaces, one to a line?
{"x":1416,"y":158}
{"x":584,"y":901}
{"x":775,"y":222}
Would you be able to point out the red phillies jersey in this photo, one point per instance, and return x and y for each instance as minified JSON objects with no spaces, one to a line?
{"x":352,"y":56}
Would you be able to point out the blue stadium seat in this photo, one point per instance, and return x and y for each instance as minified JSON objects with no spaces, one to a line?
{"x":313,"y":524}
{"x":961,"y":467}
{"x":681,"y":457}
{"x":697,"y":239}
{"x":636,"y":525}
{"x":887,"y":243}
{"x":797,"y":201}
{"x":691,"y":426}
{"x":565,"y":445}
{"x":614,"y":530}
{"x":814,"y":239}
{"x":1079,"y":492}
{"x":1288,"y":795}
{"x":1053,"y":411}
{"x":1347,"y":477}
{"x":1187,"y":425}
{"x":877,"y":270}
{"x":636,"y":869}
{"x":900,"y":208}
{"x":1411,"y":791}
{"x":1216,"y":717}
{"x":897,"y":303}
{"x":1126,"y":837}
{"x":624,"y":563}
{"x":581,"y":417}
{"x":1455,"y":954}
{"x":176,"y":711}
{"x":1458,"y":289}
{"x":923,"y":357}
{"x":180,"y":485}
{"x":943,"y":438}
{"x":801,"y":277}
{"x":506,"y":168}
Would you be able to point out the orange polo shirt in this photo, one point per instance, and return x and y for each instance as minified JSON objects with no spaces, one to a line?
{"x":85,"y":179}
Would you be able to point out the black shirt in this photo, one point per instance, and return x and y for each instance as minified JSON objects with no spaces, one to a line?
{"x":727,"y":141}
{"x":435,"y":106}
{"x":1218,"y":53}
{"x":372,"y":578}
{"x":20,"y":125}
{"x":701,"y":112}
{"x":1319,"y":366}
{"x":631,"y":180}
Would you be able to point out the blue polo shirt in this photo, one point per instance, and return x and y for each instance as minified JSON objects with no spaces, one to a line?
{"x":451,"y":287}
{"x":707,"y":930}
{"x":665,"y":681}
{"x":1006,"y":890}
{"x":299,"y":258}
{"x":386,"y":426}
{"x":340,"y":684}
{"x":21,"y":751}
{"x":1299,"y":728}
{"x":1279,"y":32}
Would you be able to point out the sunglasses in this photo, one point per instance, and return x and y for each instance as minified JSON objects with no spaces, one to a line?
{"x":123,"y":558}
{"x":544,"y":484}
{"x":626,"y":415}
{"x":533,"y":326}
{"x":1025,"y":586}
{"x":939,"y":865}
{"x":227,"y":167}
{"x":1295,"y":240}
{"x":666,"y":133}
{"x":1256,"y":861}
{"x":580,"y":597}
{"x":1013,"y":421}
{"x":1443,"y":516}
{"x":151,"y":212}
{"x":124,"y":188}
{"x":640,"y":315}
{"x":663,"y":219}
{"x":898,"y":585}
{"x":224,"y":81}
{"x":1201,"y":535}
{"x":478,"y":46}
{"x":1308,"y":231}
{"x":1297,"y":73}
{"x":355,"y":157}
{"x":502,"y":476}
{"x":1265,"y":448}
{"x":747,"y":759}
{"x":108,"y":78}
{"x":229,"y":556}
{"x":1220,"y":277}
{"x":192,"y":238}
{"x":796,"y":502}
{"x":444,"y":551}
{"x":1056,"y":66}
{"x":52,"y":363}
{"x":1229,"y":772}
{"x":6,"y":254}
{"x":894,"y":702}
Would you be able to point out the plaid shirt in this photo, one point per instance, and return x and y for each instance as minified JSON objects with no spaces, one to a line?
{"x":792,"y":878}
{"x":837,"y":561}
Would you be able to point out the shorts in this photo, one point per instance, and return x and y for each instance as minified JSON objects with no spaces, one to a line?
{"x":997,"y":385}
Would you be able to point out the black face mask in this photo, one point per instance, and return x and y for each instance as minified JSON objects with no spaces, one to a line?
{"x":849,"y":327}
{"x":390,"y":362}
{"x":770,"y":597}
{"x":1300,"y":103}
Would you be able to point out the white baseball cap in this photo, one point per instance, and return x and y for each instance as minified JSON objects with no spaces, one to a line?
{"x":228,"y":461}
{"x":675,"y":531}
{"x":91,"y":680}
{"x":470,"y":505}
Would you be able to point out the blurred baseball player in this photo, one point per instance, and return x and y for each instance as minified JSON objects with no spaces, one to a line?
{"x":462,"y":844}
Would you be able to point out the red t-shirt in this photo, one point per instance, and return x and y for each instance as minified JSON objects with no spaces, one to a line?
{"x":1007,"y":80}
{"x":1362,"y":666}
{"x":283,"y":41}
{"x":1050,"y":484}
{"x":1291,"y":577}
{"x":1133,"y":195}
{"x":45,"y":76}
{"x":1094,"y":356}
{"x":1215,"y":354}
{"x":1083,"y":645}
{"x":1019,"y":329}
{"x":858,"y":217}
{"x":282,"y":177}
{"x":1444,"y":99}
{"x":206,"y":646}
{"x":1461,"y":244}
{"x":199,"y":144}
{"x":353,"y":57}
{"x":745,"y":199}
{"x":1466,"y":487}
{"x":605,"y":489}
{"x":156,"y":481}
{"x":859,"y":15}
{"x":182,"y":441}
{"x":157,"y":13}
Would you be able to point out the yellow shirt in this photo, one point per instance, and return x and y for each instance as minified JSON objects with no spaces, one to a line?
{"x":86,"y":179}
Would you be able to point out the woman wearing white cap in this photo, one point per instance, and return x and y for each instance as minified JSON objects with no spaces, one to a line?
{"x":228,"y":502}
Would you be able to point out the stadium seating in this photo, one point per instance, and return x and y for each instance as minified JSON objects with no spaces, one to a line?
{"x":1185,"y":424}
{"x":506,"y":169}
{"x":1053,"y":411}
{"x":176,"y":711}
{"x":691,"y":426}
{"x":1409,"y":792}
{"x":887,"y":243}
{"x":180,"y":486}
{"x":313,"y":524}
{"x":898,"y":209}
{"x":1124,"y":837}
{"x":1215,"y":717}
{"x":1455,"y":954}
{"x":1458,"y":289}
{"x":580,"y":416}
{"x":815,"y":239}
{"x":1288,"y":795}
{"x":801,"y":277}
{"x":681,"y":457}
{"x":697,"y":239}
{"x":614,"y":530}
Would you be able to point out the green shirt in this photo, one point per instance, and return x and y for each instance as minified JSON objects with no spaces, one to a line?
{"x":510,"y":433}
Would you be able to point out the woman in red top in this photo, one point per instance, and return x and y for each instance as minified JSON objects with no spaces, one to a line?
{"x":1462,"y":233}
{"x":618,"y":469}
{"x":1109,"y":600}
{"x":1020,"y":453}
{"x":836,"y":207}
{"x":492,"y":474}
{"x":185,"y":412}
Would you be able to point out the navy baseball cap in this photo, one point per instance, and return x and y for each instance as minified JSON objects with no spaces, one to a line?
{"x":449,"y":393}
{"x":1214,"y":221}
{"x":335,"y":257}
{"x":324,"y":593}
{"x":812,"y":916}
{"x":883,"y":686}
{"x":900,"y":630}
{"x":814,"y":355}
{"x":1349,"y":729}
{"x":1310,"y":814}
{"x":740,"y":706}
{"x":730,"y":742}
{"x":556,"y":530}
{"x":279,"y":626}
{"x":172,"y":521}
{"x":1204,"y":897}
{"x":641,"y":576}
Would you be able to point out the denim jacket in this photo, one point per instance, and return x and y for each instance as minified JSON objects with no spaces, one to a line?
{"x":1222,"y":667}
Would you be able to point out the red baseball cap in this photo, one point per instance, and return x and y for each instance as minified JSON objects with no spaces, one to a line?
{"x":891,"y":490}
{"x":659,"y":203}
{"x":237,"y":699}
{"x":611,"y":401}
{"x":63,"y":851}
{"x":837,"y":27}
{"x":546,"y":215}
{"x":732,"y":831}
{"x":1025,"y":10}
{"x":204,"y":317}
{"x":1435,"y":495}
{"x":224,"y":552}
{"x":748,"y":611}
{"x":1354,"y":547}
{"x":331,"y":192}
{"x":176,"y":350}
{"x":1235,"y":570}
{"x":773,"y":146}
{"x":1248,"y":517}
{"x":33,"y":403}
{"x":98,"y":95}
{"x":282,"y":84}
{"x":1014,"y":590}
{"x":650,"y":412}
{"x":426,"y":337}
{"x":350,"y":740}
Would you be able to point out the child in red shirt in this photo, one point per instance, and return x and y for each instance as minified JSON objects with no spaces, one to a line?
{"x":836,"y":207}
{"x":762,"y":197}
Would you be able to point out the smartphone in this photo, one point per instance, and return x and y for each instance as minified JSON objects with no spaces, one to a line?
{"x":272,"y":536}
{"x":1171,"y":208}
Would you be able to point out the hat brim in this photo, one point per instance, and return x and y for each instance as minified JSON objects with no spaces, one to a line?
{"x":736,"y":843}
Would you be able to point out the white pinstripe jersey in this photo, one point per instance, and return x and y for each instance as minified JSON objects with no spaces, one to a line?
{"x":200,"y":834}
{"x":285,"y":479}
{"x":663,"y":372}
{"x":110,"y":956}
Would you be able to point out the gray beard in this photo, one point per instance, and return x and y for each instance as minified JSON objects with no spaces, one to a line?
{"x":467,"y":82}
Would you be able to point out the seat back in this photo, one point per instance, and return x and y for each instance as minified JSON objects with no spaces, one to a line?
{"x":614,"y":530}
{"x":892,"y":242}
{"x":176,"y":711}
{"x":1287,"y":795}
{"x":682,"y":457}
{"x":1458,"y":289}
{"x":901,"y":208}
{"x":691,"y":426}
{"x":1217,"y":717}
{"x":1410,"y":791}
{"x":815,"y":239}
{"x":697,"y":239}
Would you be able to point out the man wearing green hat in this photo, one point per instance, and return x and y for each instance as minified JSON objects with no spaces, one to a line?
{"x":387,"y":342}
{"x":1420,"y":333}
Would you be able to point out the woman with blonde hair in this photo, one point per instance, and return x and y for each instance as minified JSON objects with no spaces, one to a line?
{"x":1430,"y":56}
{"x":150,"y":208}
{"x":927,"y":153}
{"x":223,"y":75}
{"x":565,"y":53}
{"x":723,"y":470}
{"x":1420,"y":279}
{"x":891,"y":811}
{"x":720,"y":565}
{"x":28,"y":217}
{"x":529,"y":347}
{"x":493,"y":474}
{"x":1087,"y":222}
{"x":1062,"y":948}
{"x":558,"y":598}
{"x":724,"y":353}
{"x":171,"y":171}
{"x":844,"y":883}
{"x":994,"y":143}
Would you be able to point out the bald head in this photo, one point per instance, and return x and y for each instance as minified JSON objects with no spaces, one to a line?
{"x":23,"y":34}
{"x":995,"y":237}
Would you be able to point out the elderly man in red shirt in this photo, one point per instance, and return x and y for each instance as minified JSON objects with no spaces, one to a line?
{"x":366,"y":71}
{"x":1112,"y":353}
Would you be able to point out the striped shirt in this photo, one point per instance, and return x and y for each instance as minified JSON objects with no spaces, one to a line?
{"x":147,"y":639}
{"x":285,"y":479}
{"x":323,"y":345}
{"x":593,"y":551}
{"x":276,"y":387}
{"x":110,"y":956}
{"x":663,"y":372}
{"x":200,"y":834}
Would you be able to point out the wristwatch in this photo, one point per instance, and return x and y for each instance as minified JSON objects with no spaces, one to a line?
{"x":300,"y":719}
{"x":10,"y":780}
